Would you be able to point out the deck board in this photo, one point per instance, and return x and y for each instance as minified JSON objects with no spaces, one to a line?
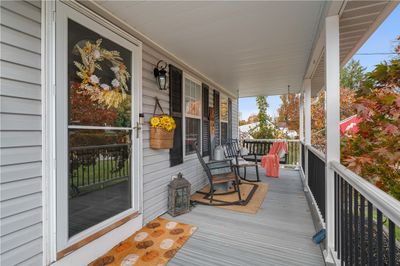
{"x":279,"y":234}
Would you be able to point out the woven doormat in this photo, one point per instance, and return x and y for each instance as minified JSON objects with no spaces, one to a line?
{"x":154,"y":244}
{"x":252,"y":194}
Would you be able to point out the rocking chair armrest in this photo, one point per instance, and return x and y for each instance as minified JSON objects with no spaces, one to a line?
{"x":220,"y":164}
{"x":251,"y":155}
{"x":219,"y":161}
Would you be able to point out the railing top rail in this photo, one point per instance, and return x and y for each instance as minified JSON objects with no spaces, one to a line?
{"x":388,"y":205}
{"x":318,"y":153}
{"x":97,"y":147}
{"x":271,"y":140}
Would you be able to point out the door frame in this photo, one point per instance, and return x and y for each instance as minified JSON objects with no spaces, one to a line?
{"x":53,"y":11}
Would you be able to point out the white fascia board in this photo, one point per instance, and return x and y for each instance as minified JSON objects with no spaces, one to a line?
{"x":334,"y":8}
{"x":382,"y":16}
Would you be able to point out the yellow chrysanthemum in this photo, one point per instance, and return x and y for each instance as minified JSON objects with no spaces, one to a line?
{"x":169,"y":128}
{"x":164,"y":119}
{"x":155,"y":121}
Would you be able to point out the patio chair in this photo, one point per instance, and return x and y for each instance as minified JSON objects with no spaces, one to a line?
{"x":242,"y":161}
{"x":224,"y":178}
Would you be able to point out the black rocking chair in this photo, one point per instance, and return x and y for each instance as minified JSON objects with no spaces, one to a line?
{"x":232,"y":151}
{"x":224,"y":178}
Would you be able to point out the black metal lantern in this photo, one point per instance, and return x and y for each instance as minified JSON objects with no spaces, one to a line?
{"x":178,"y":196}
{"x":160,"y":73}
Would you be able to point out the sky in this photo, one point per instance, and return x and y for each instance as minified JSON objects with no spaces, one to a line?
{"x":381,"y":41}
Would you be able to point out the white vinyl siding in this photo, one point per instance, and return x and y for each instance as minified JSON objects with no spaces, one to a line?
{"x":156,"y":165}
{"x":20,"y":101}
{"x":157,"y":172}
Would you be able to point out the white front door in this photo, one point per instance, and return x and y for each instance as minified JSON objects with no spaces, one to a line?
{"x":97,"y":99}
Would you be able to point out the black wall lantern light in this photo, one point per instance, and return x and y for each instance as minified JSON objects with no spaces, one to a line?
{"x":160,"y":73}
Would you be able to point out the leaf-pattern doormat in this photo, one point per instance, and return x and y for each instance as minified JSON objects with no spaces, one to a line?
{"x":155,"y":244}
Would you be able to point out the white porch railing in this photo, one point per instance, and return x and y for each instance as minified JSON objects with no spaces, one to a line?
{"x":365,"y":217}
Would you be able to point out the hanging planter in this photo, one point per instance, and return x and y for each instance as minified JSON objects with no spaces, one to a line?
{"x":162,"y":129}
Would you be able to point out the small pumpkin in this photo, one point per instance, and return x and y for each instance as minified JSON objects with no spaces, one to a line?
{"x":130,"y":260}
{"x":103,"y":261}
{"x":170,"y":253}
{"x":181,"y":240}
{"x":145,"y":244}
{"x":157,"y":233}
{"x":123,"y":246}
{"x":150,"y":255}
{"x":153,"y":225}
{"x":171,"y":225}
{"x":166,"y":243}
{"x":140,"y":236}
{"x":176,"y":231}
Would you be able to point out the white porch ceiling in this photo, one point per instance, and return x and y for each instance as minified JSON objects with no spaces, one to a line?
{"x":258,"y":48}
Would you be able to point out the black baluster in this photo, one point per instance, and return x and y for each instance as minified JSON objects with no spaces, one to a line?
{"x":370,"y":234}
{"x":82,"y":167}
{"x":351,"y":222}
{"x":96,"y":157}
{"x":342,"y":223}
{"x":107,"y":163}
{"x":356,"y":223}
{"x":336,"y":210}
{"x":100,"y":164}
{"x":362,"y":230}
{"x":346,"y":223}
{"x":379,"y":236}
{"x":392,"y":243}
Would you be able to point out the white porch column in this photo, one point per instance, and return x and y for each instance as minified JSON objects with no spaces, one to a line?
{"x":332,"y":81}
{"x":307,"y":111}
{"x":301,"y":115}
{"x":307,"y":125}
{"x":301,"y":124}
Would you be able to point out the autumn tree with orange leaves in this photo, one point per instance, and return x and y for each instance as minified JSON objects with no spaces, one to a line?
{"x":374,"y":152}
{"x":288,"y":112}
{"x":347,"y":109}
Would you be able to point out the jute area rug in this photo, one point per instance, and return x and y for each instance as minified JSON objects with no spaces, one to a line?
{"x":252,"y":204}
{"x":153,"y":245}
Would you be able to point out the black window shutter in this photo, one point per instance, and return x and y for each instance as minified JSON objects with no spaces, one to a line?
{"x":229,"y":118}
{"x":175,"y":105}
{"x":216,"y":119}
{"x":206,"y":121}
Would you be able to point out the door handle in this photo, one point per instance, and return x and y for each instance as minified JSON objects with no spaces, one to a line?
{"x":138,"y":128}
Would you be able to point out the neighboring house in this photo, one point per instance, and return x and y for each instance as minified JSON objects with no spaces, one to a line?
{"x":349,"y":125}
{"x":57,"y":55}
{"x":244,"y":131}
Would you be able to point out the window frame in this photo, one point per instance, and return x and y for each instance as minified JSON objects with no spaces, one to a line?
{"x":184,"y":115}
{"x":221,"y":98}
{"x":59,"y":240}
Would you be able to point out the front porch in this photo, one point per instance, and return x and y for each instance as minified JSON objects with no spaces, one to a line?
{"x":214,"y":53}
{"x":279,"y":234}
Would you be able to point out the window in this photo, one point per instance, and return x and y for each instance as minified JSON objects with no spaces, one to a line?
{"x":192,"y":106}
{"x":224,"y":118}
{"x":224,"y":108}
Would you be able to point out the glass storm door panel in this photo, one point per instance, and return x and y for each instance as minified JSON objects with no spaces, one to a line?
{"x":99,"y":128}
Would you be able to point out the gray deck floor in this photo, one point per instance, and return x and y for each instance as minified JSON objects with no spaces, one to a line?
{"x":279,"y":234}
